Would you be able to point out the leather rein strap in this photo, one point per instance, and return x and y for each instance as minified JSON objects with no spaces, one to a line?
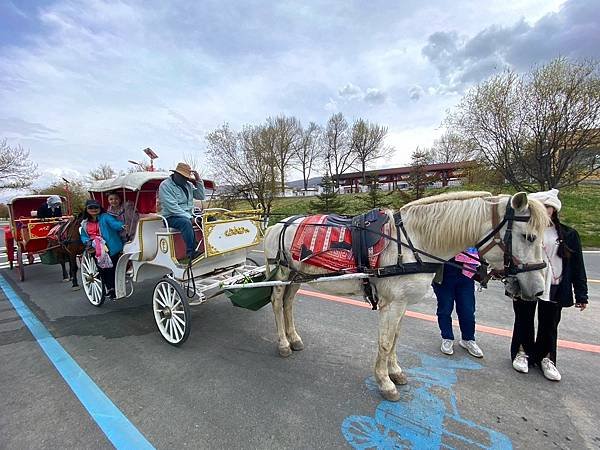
{"x":512,"y":264}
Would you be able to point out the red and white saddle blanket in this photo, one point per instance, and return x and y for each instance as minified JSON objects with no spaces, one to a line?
{"x":58,"y":232}
{"x":323,"y":243}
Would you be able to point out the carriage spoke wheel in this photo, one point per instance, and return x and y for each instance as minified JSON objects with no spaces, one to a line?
{"x":171,"y":311}
{"x":20,"y":266}
{"x":91,"y":280}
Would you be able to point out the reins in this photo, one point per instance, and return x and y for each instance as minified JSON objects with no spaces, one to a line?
{"x":512,"y":265}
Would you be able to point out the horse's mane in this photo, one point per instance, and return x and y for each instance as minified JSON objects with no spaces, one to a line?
{"x":442,"y":223}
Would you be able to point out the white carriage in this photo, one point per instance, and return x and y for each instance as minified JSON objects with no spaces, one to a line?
{"x":154,"y":252}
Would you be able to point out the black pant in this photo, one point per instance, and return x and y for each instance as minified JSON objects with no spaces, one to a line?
{"x":108,"y":275}
{"x":544,"y":344}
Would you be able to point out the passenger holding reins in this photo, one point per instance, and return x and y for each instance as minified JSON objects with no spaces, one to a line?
{"x":176,"y":196}
{"x":100,"y":234}
{"x":565,"y":276}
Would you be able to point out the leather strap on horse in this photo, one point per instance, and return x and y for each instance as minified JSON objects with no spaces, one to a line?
{"x":512,"y":265}
{"x":361,"y":254}
{"x":280,"y":251}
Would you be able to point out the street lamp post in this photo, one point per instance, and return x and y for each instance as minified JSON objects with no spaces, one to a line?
{"x":150,"y":153}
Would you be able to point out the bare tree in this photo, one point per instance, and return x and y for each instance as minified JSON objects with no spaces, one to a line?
{"x":338,"y":153}
{"x":450,"y":148}
{"x":195,"y":161}
{"x":308,"y":151}
{"x":245,"y":163}
{"x":286,"y":131}
{"x":102,"y":172}
{"x":16,"y":169}
{"x":366,"y":143}
{"x":541,"y":128}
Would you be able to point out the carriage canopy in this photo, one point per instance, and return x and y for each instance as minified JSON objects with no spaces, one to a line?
{"x":141,"y":188}
{"x":23,"y":205}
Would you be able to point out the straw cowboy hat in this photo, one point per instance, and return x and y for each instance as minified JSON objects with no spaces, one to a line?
{"x":185,"y":170}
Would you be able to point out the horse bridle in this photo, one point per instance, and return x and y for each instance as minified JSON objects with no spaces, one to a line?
{"x":512,"y":264}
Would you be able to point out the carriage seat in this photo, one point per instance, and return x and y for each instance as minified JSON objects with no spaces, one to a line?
{"x":146,"y":243}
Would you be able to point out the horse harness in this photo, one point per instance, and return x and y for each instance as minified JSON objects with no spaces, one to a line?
{"x":361,"y":228}
{"x":512,"y":264}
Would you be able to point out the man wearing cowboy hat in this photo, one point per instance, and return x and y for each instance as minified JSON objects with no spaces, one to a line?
{"x":176,"y":195}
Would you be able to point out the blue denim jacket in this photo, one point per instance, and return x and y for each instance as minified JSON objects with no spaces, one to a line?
{"x":174,"y":202}
{"x":110,"y":227}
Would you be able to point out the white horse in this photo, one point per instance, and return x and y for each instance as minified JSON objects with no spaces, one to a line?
{"x":442,"y":225}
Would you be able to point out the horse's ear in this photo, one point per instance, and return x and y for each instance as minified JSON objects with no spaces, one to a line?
{"x":519,"y":201}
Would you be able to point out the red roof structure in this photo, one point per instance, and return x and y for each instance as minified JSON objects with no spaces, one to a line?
{"x":445,"y":172}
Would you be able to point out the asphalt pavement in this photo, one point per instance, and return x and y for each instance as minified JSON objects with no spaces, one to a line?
{"x":226,"y":387}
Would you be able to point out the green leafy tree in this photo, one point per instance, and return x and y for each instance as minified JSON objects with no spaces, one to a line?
{"x":328,"y":201}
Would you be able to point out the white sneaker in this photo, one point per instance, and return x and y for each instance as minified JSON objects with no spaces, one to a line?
{"x":472,"y":348}
{"x":447,"y":346}
{"x":550,"y":370}
{"x":521,"y":362}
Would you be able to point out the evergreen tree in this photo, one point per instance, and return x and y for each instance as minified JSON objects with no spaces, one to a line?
{"x":376,"y":198}
{"x":419,"y":178}
{"x":328,"y":201}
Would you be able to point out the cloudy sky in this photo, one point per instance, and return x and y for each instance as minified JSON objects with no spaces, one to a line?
{"x":84,"y":82}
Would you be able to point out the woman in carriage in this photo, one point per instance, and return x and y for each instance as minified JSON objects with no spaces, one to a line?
{"x":100,"y":233}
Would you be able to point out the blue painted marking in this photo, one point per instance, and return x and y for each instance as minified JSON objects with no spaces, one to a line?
{"x":117,"y":428}
{"x":422,"y":418}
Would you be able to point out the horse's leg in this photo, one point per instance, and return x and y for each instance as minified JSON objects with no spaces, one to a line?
{"x":63,"y":266}
{"x":73,"y":271}
{"x":288,"y":316}
{"x":395,"y":372}
{"x":277,"y":302}
{"x":389,"y":319}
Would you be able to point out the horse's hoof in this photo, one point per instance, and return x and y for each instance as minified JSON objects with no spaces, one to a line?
{"x":76,"y":288}
{"x":297,"y":346}
{"x":391,"y":396}
{"x":399,"y":378}
{"x":284,"y":352}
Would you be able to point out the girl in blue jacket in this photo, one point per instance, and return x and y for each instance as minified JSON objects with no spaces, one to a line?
{"x":98,"y":223}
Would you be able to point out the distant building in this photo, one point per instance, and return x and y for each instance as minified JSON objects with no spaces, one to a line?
{"x":447,"y":174}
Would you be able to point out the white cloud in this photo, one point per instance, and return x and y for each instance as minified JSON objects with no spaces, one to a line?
{"x":96,"y":81}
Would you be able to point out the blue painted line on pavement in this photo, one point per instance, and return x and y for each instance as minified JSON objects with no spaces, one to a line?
{"x":115,"y":425}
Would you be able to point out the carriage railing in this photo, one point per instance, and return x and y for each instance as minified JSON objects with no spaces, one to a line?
{"x":28,"y":228}
{"x":214,"y":213}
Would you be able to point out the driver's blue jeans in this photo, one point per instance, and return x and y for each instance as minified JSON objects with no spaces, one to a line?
{"x":185,"y":227}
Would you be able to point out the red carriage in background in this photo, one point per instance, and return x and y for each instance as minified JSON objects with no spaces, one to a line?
{"x":28,"y":232}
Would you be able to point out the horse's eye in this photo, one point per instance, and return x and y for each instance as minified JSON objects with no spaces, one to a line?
{"x":529,"y":237}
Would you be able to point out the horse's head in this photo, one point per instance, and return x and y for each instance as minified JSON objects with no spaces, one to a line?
{"x":515,"y":251}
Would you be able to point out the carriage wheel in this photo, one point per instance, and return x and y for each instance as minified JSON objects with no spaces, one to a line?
{"x":171,"y":311}
{"x":93,"y":285}
{"x":20,"y":266}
